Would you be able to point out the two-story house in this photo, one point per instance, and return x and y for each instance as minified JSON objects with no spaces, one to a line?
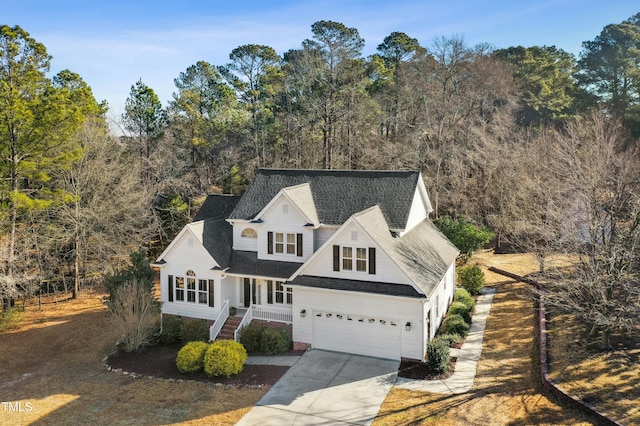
{"x":349,"y":258}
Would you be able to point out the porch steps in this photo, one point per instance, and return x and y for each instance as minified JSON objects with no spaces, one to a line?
{"x":229,"y":328}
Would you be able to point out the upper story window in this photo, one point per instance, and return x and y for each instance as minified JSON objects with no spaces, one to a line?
{"x":249,"y":233}
{"x":359,"y":259}
{"x":284,"y":243}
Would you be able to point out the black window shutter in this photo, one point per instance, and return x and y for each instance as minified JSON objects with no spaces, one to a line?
{"x":299,"y":245}
{"x":170,"y":280}
{"x":336,"y":258}
{"x":372,"y":260}
{"x":270,"y":242}
{"x":211,"y":293}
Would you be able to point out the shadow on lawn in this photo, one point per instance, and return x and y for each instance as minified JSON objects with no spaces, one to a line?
{"x":58,"y":370}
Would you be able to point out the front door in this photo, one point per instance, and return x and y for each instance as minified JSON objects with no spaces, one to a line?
{"x":247,"y":292}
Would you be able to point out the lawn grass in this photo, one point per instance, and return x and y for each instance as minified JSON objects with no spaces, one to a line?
{"x":507,"y":388}
{"x":53,"y":362}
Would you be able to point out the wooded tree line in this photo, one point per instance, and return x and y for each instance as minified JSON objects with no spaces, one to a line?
{"x":529,"y":141}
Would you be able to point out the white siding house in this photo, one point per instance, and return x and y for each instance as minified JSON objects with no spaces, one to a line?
{"x":348,"y":258}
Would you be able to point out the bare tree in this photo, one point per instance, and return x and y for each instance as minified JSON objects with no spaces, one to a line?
{"x":107,"y":210}
{"x":134,"y":315}
{"x":601,"y":228}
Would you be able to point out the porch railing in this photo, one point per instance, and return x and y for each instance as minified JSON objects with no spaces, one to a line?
{"x":272,"y":313}
{"x":214,"y":330}
{"x":246,"y":319}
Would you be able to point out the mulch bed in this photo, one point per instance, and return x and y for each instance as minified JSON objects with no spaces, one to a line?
{"x":160,"y":361}
{"x":419,"y":370}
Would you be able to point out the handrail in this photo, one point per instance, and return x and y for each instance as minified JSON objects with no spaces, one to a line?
{"x":222,"y":317}
{"x":246,"y":319}
{"x":273,"y":313}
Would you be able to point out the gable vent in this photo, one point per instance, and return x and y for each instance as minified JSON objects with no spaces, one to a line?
{"x":354,"y":235}
{"x":285,"y":209}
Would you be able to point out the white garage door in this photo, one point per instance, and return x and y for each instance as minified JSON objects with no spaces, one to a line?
{"x":372,"y":336}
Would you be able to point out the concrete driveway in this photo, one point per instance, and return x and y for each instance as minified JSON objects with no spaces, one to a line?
{"x":326,"y":388}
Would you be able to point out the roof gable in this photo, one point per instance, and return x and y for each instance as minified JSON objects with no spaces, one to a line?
{"x":336,"y":194}
{"x":301,"y":197}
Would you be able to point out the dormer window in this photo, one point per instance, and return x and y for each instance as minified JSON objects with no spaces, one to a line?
{"x":249,"y":233}
{"x":284,"y":243}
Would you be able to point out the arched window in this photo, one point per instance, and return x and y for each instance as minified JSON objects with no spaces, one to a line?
{"x":249,"y":233}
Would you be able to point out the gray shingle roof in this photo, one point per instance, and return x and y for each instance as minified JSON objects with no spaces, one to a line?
{"x":217,"y":238}
{"x":357,"y":286}
{"x":247,"y":263}
{"x":217,"y":206}
{"x":337,"y":194}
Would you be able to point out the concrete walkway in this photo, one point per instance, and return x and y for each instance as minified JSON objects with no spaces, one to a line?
{"x":467,"y":356}
{"x":326,"y":388}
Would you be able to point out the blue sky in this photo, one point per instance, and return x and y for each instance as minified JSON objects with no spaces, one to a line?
{"x":112,"y":44}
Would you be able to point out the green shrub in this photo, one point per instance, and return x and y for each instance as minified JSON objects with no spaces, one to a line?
{"x":455,"y":324}
{"x":274,"y":341}
{"x":10,"y":319}
{"x":464,"y":297}
{"x":250,"y":336}
{"x":191,"y":357}
{"x":438,"y":356}
{"x":224,"y":358}
{"x":471,"y":278}
{"x":261,"y":339}
{"x":171,"y":329}
{"x":194,"y":329}
{"x":459,"y":308}
{"x":464,"y":234}
{"x":450,"y":338}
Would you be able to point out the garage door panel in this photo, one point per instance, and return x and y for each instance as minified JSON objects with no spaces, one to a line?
{"x":379,"y":337}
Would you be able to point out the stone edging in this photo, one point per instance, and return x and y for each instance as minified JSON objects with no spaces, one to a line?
{"x":146,"y":376}
{"x":547,"y":382}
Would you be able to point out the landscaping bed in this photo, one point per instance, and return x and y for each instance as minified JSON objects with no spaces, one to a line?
{"x":160,"y":361}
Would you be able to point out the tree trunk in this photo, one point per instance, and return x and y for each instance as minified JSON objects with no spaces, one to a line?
{"x":606,"y":340}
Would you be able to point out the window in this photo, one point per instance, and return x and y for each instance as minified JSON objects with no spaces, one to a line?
{"x":180,"y":289}
{"x":365,"y":259}
{"x":291,"y":243}
{"x":191,"y":287}
{"x":361,"y":259}
{"x":279,"y":242}
{"x":347,"y":258}
{"x":279,"y":292}
{"x":200,"y":291}
{"x":284,"y":243}
{"x":289,"y":295}
{"x":249,"y":233}
{"x":270,"y":292}
{"x":203,"y":293}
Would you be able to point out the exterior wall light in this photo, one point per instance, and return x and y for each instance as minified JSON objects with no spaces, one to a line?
{"x":303,"y":313}
{"x":407,"y":326}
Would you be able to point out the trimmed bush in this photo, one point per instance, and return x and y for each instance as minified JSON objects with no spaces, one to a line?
{"x":224,"y":358}
{"x":471,"y":278}
{"x":455,"y":324}
{"x":450,"y":338}
{"x":250,"y":336}
{"x":438,"y":356}
{"x":190,"y":358}
{"x":171,"y":327}
{"x":194,"y":329}
{"x":464,"y":297}
{"x":459,"y":308}
{"x":274,"y":341}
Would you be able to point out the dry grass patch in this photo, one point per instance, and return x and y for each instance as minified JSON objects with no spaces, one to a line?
{"x":507,"y":389}
{"x":54,"y":362}
{"x":608,"y":381}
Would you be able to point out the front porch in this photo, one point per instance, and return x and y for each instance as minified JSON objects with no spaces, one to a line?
{"x":230,"y":323}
